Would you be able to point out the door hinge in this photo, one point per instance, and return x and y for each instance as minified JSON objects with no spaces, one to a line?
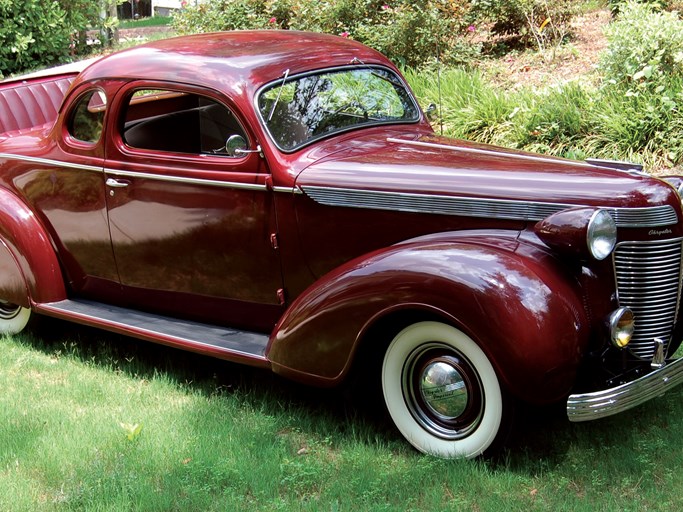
{"x":273,"y":241}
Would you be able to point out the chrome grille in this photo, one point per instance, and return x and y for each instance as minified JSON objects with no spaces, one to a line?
{"x":509,"y":209}
{"x":649,"y":282}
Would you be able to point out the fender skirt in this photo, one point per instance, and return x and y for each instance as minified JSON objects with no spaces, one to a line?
{"x":509,"y":296}
{"x":29,"y":269}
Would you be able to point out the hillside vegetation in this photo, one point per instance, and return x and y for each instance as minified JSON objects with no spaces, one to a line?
{"x":627,"y":108}
{"x":611,"y":83}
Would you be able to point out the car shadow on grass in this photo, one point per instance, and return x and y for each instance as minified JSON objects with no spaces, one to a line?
{"x":318,"y":408}
{"x":542,"y":437}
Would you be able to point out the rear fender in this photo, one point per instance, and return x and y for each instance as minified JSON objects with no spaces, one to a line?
{"x":518,"y":305}
{"x":29,"y":265}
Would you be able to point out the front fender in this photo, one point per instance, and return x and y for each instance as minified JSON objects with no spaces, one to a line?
{"x":509,"y":296}
{"x":30,"y":267}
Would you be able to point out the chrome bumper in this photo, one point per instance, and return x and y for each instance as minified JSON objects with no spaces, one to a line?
{"x":599,"y":404}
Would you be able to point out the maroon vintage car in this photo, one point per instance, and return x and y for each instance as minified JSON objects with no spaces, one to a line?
{"x":280,"y":200}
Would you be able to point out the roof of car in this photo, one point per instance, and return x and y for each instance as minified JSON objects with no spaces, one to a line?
{"x":242,"y":59}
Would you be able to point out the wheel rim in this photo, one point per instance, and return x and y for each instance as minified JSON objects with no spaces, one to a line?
{"x":8,"y":311}
{"x":442,"y":390}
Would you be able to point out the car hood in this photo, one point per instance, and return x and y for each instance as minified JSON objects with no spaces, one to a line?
{"x":411,"y":166}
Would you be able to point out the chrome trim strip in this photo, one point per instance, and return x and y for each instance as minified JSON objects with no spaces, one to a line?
{"x":487,"y":152}
{"x":191,"y":181}
{"x":600,"y":404}
{"x":47,"y":161}
{"x":151,"y":176}
{"x":288,"y":190}
{"x":509,"y":209}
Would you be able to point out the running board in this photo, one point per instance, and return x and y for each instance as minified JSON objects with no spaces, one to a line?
{"x":223,"y":342}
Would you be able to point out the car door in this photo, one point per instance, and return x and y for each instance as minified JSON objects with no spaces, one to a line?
{"x":193,"y":227}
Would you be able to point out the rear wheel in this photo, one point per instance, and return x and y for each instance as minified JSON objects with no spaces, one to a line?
{"x":442,"y":392}
{"x":13,"y":318}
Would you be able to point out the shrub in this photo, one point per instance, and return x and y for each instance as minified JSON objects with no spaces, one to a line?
{"x":532,"y":21}
{"x":219,"y":15}
{"x":408,"y":32}
{"x":32,"y":33}
{"x":645,"y":48}
{"x":642,"y":95}
{"x":616,"y":5}
{"x":82,"y":15}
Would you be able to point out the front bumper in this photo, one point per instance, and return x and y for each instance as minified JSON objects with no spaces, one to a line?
{"x":600,"y":404}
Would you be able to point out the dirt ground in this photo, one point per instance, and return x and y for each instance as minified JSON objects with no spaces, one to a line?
{"x":574,"y":60}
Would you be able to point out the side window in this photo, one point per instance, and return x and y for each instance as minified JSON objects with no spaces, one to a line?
{"x":87,"y":118}
{"x":165,"y":120}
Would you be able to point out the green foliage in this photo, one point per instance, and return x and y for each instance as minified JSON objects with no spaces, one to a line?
{"x":38,"y":33}
{"x":533,"y":21}
{"x":408,"y":32}
{"x":635,"y":114}
{"x":221,"y":15}
{"x":617,"y":5}
{"x":411,"y":33}
{"x":80,"y":15}
{"x":154,"y":21}
{"x":645,"y":48}
{"x":643,"y":88}
{"x":32,"y":33}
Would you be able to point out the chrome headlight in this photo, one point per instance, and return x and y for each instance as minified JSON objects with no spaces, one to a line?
{"x":601,"y":235}
{"x":621,"y":327}
{"x":582,"y":232}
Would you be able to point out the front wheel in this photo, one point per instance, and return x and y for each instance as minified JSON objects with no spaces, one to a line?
{"x":13,"y":318}
{"x":441,"y":391}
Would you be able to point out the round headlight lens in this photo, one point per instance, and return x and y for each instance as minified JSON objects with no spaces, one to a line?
{"x":621,"y":326}
{"x":601,"y":235}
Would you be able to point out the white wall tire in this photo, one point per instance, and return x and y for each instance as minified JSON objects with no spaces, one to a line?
{"x":13,"y":318}
{"x":441,"y":391}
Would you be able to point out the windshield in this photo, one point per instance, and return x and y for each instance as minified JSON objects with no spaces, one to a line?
{"x":298,"y":110}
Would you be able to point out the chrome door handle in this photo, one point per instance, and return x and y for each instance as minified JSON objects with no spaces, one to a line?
{"x":111,"y":182}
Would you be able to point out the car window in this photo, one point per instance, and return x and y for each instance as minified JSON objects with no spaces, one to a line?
{"x":300,"y":109}
{"x":178,"y":122}
{"x":87,"y":117}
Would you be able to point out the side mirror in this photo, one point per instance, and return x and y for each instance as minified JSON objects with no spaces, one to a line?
{"x":235,"y":145}
{"x":432,"y":112}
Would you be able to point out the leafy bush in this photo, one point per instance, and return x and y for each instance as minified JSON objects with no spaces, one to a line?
{"x":32,"y":33}
{"x":82,"y":15}
{"x":616,"y":5}
{"x":409,"y":32}
{"x":532,"y":21}
{"x":219,"y":15}
{"x":645,"y":48}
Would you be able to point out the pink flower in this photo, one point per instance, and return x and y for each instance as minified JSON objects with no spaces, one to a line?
{"x":385,"y":7}
{"x":345,"y":34}
{"x":272,"y":20}
{"x":183,"y":4}
{"x":471,"y":28}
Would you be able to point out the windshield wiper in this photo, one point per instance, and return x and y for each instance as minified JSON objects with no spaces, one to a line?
{"x":279,"y":93}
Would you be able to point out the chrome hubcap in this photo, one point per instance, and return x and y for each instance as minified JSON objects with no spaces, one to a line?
{"x":8,"y":310}
{"x":442,"y":391}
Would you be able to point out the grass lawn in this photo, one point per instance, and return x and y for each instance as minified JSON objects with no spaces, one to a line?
{"x":92,"y":421}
